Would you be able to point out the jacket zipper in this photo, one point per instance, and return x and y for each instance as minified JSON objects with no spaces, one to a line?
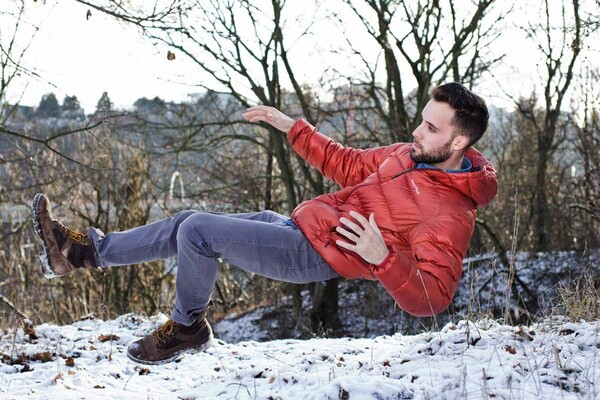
{"x":402,"y":173}
{"x":391,"y":179}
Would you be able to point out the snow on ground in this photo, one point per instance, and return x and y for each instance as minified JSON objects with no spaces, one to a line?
{"x":551,"y":360}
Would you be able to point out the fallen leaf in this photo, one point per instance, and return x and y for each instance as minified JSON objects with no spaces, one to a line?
{"x":170,"y":55}
{"x":475,"y":340}
{"x":106,"y":338}
{"x":510,"y":349}
{"x":29,"y":330}
{"x":43,"y":356}
{"x":26,"y":368}
{"x":521,"y":332}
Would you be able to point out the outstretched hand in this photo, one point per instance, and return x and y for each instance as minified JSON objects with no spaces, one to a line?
{"x":270,"y":115}
{"x":367,"y":237}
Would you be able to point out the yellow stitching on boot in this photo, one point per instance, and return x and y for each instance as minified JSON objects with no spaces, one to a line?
{"x":75,"y":236}
{"x":164,"y":331}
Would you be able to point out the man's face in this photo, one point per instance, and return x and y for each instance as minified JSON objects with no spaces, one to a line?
{"x":433,"y":138}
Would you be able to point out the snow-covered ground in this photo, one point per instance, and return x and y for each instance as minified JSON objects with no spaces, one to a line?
{"x":551,"y":360}
{"x":554,"y":359}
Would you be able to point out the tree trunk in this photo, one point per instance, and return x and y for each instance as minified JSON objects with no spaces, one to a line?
{"x":287,"y":174}
{"x":269,"y":174}
{"x":324,"y":316}
{"x":541,"y":201}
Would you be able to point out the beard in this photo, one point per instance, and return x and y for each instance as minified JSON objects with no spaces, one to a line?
{"x":433,"y":156}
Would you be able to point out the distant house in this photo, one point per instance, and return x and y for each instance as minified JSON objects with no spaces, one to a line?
{"x":18,"y":112}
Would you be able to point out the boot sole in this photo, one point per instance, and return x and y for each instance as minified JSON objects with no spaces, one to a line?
{"x":47,"y":269}
{"x":191,"y":350}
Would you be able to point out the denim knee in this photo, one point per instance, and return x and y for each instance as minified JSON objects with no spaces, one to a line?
{"x":190,"y":234}
{"x":176,"y":221}
{"x":182,"y":216}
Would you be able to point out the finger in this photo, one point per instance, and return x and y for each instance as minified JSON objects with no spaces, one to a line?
{"x":254,"y":117}
{"x":357,"y":229}
{"x":257,"y":119}
{"x":347,"y":234}
{"x":258,"y":107}
{"x":250,"y":115}
{"x":359,"y":217}
{"x":255,"y":112}
{"x":373,"y":223}
{"x":345,"y":245}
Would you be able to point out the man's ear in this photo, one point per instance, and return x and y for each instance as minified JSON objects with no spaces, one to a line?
{"x":460,"y":142}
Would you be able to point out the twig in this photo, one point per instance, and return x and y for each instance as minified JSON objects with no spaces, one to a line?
{"x":9,"y":303}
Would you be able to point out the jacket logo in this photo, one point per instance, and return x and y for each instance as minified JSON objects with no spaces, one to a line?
{"x":415,"y":186}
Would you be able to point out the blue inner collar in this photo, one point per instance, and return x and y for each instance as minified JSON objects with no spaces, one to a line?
{"x":464,"y":167}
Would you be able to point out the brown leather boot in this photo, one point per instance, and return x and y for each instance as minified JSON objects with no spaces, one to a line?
{"x":171,"y":340}
{"x":64,"y":249}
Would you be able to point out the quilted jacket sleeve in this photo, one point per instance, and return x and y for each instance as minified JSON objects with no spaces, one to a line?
{"x":345,"y":166}
{"x":424,"y":285}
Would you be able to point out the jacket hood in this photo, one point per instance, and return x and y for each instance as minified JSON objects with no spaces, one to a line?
{"x":481,"y":184}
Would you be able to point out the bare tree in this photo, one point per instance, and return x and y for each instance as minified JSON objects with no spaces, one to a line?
{"x":434,"y":40}
{"x":12,"y":53}
{"x":214,"y":36}
{"x":560,"y":46}
{"x":585,"y":188}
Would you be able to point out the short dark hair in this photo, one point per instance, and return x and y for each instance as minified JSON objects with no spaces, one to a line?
{"x":470,"y":112}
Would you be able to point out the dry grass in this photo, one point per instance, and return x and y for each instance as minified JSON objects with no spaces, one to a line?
{"x":581,"y":299}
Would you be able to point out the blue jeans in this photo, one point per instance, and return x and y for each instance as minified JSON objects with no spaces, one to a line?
{"x":262,"y":243}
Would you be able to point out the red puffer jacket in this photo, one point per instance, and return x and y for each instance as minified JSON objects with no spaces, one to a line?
{"x":426,"y":216}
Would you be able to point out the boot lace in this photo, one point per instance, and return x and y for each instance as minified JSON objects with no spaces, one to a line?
{"x":73,"y":235}
{"x":164,"y":331}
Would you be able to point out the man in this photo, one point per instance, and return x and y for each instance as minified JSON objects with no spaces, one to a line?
{"x":404,"y":216}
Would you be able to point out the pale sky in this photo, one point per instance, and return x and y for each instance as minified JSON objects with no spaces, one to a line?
{"x":87,"y":57}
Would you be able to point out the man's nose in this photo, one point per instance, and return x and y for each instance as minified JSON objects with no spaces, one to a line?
{"x":415,"y":133}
